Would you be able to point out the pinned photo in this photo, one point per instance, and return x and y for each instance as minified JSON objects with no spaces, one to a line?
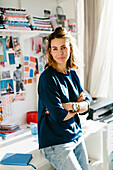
{"x":14,"y":44}
{"x":16,"y":47}
{"x":9,"y":43}
{"x":10,"y":57}
{"x":6,"y":87}
{"x":2,"y":51}
{"x":36,"y":45}
{"x":6,"y":74}
{"x":17,"y":76}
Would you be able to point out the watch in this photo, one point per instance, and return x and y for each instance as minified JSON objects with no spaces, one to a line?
{"x":75,"y":107}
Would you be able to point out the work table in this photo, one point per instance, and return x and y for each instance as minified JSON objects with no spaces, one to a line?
{"x":24,"y":143}
{"x":27,"y":143}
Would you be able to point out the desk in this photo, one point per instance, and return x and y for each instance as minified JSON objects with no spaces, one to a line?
{"x":95,"y":139}
{"x":24,"y":143}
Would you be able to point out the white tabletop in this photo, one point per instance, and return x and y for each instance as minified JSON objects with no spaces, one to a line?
{"x":24,"y":143}
{"x":27,"y":143}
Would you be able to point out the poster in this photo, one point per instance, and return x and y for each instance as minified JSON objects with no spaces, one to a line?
{"x":2,"y":52}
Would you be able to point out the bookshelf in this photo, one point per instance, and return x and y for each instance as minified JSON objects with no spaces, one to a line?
{"x":24,"y":34}
{"x":6,"y":31}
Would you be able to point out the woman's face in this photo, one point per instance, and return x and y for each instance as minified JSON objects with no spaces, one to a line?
{"x":60,"y":50}
{"x":15,"y":42}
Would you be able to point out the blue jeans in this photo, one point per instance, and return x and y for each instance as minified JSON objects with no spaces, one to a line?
{"x":69,"y":156}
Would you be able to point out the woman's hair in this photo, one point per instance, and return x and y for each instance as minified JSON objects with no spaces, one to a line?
{"x":62,"y":33}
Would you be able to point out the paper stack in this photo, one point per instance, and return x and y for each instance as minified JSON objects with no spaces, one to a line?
{"x":14,"y":19}
{"x":40,"y":23}
{"x":8,"y":129}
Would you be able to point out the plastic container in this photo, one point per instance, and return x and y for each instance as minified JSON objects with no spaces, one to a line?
{"x":33,"y":127}
{"x":32,"y":116}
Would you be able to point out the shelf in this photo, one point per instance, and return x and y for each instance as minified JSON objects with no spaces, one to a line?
{"x":24,"y":33}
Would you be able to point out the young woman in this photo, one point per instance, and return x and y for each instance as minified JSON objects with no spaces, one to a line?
{"x":61,"y":100}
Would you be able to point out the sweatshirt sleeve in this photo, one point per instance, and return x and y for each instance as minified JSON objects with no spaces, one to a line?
{"x":50,"y":97}
{"x":81,"y":90}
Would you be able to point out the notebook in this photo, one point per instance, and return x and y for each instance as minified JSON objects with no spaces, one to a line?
{"x":16,"y":159}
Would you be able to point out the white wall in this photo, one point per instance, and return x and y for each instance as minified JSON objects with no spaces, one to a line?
{"x":36,"y":7}
{"x":68,"y":8}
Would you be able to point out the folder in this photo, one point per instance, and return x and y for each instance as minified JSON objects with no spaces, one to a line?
{"x":16,"y":159}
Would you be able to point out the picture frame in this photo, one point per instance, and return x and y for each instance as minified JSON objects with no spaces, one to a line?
{"x":3,"y":57}
{"x":7,"y":87}
{"x":10,"y":57}
{"x":6,"y":74}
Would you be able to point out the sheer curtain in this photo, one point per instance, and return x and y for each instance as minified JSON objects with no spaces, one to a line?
{"x":101,"y":73}
{"x":92,"y":13}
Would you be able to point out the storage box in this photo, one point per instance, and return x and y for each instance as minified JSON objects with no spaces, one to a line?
{"x":32,"y":116}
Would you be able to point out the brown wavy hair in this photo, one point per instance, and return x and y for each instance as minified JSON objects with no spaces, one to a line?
{"x":63,"y":33}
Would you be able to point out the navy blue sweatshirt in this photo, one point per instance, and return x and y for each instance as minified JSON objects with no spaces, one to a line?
{"x":55,"y":88}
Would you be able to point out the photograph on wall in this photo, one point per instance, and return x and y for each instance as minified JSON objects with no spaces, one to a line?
{"x":6,"y":87}
{"x":19,"y":80}
{"x":2,"y":51}
{"x":41,"y":63}
{"x":36,"y":45}
{"x":1,"y":113}
{"x":30,"y":69}
{"x":14,"y":44}
{"x":9,"y":42}
{"x":7,"y":106}
{"x":6,"y":74}
{"x":16,"y":47}
{"x":10,"y":57}
{"x":37,"y":70}
{"x":44,"y":39}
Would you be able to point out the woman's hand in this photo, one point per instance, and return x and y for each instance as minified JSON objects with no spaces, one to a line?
{"x":67,"y":106}
{"x":46,"y":112}
{"x":81,"y":97}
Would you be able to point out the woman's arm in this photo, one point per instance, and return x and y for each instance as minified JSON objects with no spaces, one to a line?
{"x":83,"y":106}
{"x":50,"y":98}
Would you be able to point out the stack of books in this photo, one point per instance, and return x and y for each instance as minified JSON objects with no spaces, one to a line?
{"x":8,"y":129}
{"x":15,"y":19}
{"x":40,"y":23}
{"x":1,"y":19}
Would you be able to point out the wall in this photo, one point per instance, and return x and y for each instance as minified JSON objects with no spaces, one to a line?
{"x":68,"y":8}
{"x":36,"y":7}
